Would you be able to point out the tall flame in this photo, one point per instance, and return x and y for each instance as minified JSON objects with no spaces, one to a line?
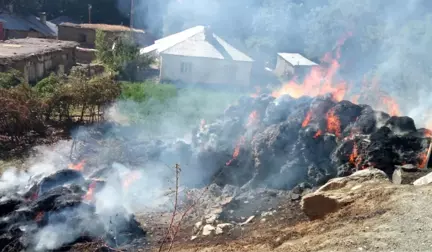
{"x":90,"y":192}
{"x":236,"y":152}
{"x":131,"y":178}
{"x":320,"y":80}
{"x":333,"y":123}
{"x":253,"y":118}
{"x":307,"y":119}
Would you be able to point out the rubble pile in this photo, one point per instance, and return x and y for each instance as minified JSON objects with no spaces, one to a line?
{"x":57,"y":211}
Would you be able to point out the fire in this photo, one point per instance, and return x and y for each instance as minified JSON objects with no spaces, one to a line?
{"x":423,"y":160}
{"x":391,"y":105}
{"x":353,"y":156}
{"x":307,"y":119}
{"x":257,"y":93}
{"x":318,"y":133}
{"x":333,"y":123}
{"x":236,"y":152}
{"x":39,"y":216}
{"x":90,"y":192}
{"x":77,"y":167}
{"x":320,"y":80}
{"x":253,"y":118}
{"x":130,"y":178}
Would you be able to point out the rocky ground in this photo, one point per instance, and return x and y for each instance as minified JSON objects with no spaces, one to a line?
{"x":363,"y":212}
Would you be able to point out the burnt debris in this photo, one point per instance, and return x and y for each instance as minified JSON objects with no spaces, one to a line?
{"x":60,"y":211}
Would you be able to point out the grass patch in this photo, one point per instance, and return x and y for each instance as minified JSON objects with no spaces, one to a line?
{"x":162,"y":108}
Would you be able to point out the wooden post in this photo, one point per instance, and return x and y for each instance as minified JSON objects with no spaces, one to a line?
{"x":89,"y":12}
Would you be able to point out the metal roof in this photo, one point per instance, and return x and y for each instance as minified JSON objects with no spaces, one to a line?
{"x":27,"y":23}
{"x":296,"y":59}
{"x":192,"y":42}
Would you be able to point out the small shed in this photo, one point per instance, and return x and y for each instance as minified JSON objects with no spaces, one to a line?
{"x":290,"y":64}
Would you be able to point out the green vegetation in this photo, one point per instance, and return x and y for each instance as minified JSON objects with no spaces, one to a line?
{"x":161,"y":108}
{"x":10,"y":78}
{"x":123,"y":59}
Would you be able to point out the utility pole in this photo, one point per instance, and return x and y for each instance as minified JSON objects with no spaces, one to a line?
{"x":89,"y":12}
{"x":131,"y":14}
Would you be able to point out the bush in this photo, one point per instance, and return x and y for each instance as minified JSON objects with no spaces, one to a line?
{"x":11,"y":78}
{"x":144,"y":91}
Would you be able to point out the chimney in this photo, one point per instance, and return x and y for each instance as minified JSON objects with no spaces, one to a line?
{"x":42,"y":17}
{"x":11,"y":8}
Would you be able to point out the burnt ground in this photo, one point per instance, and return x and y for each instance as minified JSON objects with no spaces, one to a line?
{"x":384,"y":217}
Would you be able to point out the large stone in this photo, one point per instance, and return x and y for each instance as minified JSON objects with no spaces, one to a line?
{"x":208,"y":230}
{"x":404,"y":177}
{"x":318,"y":205}
{"x":370,"y":174}
{"x":425,"y":180}
{"x":222,"y":228}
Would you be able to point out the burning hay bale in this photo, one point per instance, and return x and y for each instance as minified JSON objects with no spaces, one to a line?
{"x":306,"y":140}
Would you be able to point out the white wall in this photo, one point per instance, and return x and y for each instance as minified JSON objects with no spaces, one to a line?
{"x":283,"y":68}
{"x":205,"y":70}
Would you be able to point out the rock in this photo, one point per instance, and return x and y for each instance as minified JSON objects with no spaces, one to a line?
{"x":408,"y":167}
{"x":403,"y":177}
{"x":369,"y":174}
{"x":318,"y":205}
{"x":361,"y":176}
{"x":425,"y":180}
{"x":197,"y":227}
{"x":248,"y":220}
{"x":211,"y":218}
{"x":224,"y":227}
{"x":208,"y":230}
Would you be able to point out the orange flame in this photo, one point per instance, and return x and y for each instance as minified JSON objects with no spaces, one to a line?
{"x":333,"y":123}
{"x":391,"y":105}
{"x":257,"y":93}
{"x":77,"y":167}
{"x":236,"y":152}
{"x":39,"y":216}
{"x":353,"y":156}
{"x":317,"y":134}
{"x":90,"y":192}
{"x":130,"y":178}
{"x":253,"y":118}
{"x":307,"y":119}
{"x":320,"y":80}
{"x":423,"y":160}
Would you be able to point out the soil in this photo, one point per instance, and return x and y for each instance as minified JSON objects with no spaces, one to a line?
{"x":384,"y":217}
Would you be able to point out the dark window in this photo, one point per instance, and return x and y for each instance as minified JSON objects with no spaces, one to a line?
{"x":186,"y":67}
{"x":82,"y":38}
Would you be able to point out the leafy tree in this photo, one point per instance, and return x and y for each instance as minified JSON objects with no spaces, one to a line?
{"x":123,"y":58}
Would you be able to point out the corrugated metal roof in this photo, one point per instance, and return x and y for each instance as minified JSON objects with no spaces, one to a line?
{"x":296,"y":59}
{"x":27,"y":23}
{"x":192,"y":42}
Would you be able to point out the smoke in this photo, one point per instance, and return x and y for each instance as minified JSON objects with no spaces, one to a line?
{"x":389,"y":40}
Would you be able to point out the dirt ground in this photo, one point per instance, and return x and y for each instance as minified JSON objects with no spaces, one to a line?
{"x":384,"y":217}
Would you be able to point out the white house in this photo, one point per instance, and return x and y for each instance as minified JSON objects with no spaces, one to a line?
{"x":289,"y":64}
{"x":197,"y":55}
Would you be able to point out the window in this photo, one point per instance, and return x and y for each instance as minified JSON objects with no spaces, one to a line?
{"x":186,"y":67}
{"x":82,"y":38}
